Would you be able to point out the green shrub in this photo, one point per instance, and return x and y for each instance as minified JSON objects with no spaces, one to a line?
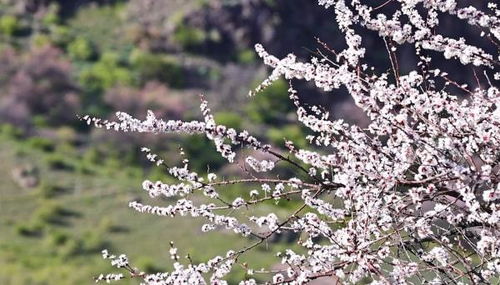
{"x":159,"y":173}
{"x":31,"y":229}
{"x":10,"y":131}
{"x":58,"y":161}
{"x":189,"y":37}
{"x":66,"y":149}
{"x":147,"y":265}
{"x":66,"y":135}
{"x":246,"y":56}
{"x":204,"y":151}
{"x":9,"y":25}
{"x":71,"y":247}
{"x":150,"y":66}
{"x":106,"y":225}
{"x":41,"y":143}
{"x":51,"y":17}
{"x":112,"y":165}
{"x":60,"y":35}
{"x":271,"y":105}
{"x":93,"y":156}
{"x":92,"y":242}
{"x":102,"y":25}
{"x":228,"y":119}
{"x":105,"y":73}
{"x":57,"y":238}
{"x":84,"y":168}
{"x":80,"y":49}
{"x":40,"y":121}
{"x":289,"y":132}
{"x":41,"y":40}
{"x":20,"y":152}
{"x":49,"y":212}
{"x":49,"y":190}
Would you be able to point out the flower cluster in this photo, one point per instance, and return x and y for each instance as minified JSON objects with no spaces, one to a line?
{"x":410,"y":199}
{"x":259,"y":166}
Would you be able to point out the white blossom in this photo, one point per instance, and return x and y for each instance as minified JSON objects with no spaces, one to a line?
{"x":412,"y":196}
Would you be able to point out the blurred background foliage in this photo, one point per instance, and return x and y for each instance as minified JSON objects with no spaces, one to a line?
{"x":65,"y":187}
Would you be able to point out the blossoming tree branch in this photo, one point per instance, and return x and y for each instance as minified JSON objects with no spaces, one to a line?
{"x":412,"y":198}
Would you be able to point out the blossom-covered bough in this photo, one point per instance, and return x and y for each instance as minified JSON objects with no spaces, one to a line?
{"x":413,"y":198}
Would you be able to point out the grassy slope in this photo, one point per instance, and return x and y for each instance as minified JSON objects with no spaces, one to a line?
{"x":96,"y":200}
